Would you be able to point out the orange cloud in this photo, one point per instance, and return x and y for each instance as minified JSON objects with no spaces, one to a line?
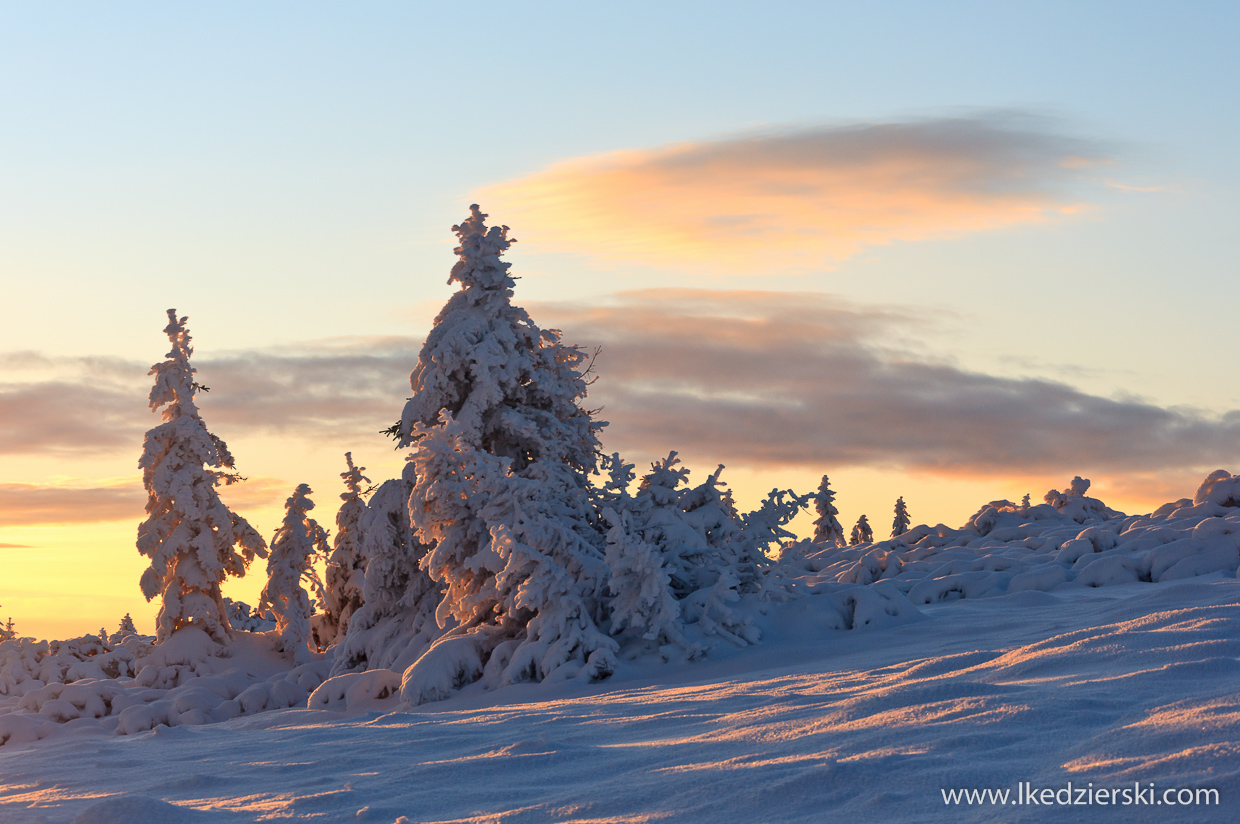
{"x":800,"y":199}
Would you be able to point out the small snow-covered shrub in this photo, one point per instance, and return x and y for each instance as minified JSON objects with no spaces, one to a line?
{"x":246,"y":619}
{"x":827,"y":528}
{"x":344,"y":580}
{"x":293,"y":549}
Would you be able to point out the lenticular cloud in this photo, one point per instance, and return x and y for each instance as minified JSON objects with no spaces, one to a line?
{"x":803,"y":198}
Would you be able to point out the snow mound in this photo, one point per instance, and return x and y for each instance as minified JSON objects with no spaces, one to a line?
{"x":356,"y":692}
{"x":1070,"y":541}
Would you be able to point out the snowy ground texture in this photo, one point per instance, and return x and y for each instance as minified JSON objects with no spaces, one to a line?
{"x":1051,"y":644}
{"x":1135,"y":683}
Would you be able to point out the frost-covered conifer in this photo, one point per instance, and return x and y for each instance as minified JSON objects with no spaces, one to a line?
{"x":514,"y":389}
{"x":504,"y":449}
{"x":127,"y":626}
{"x":642,"y":599}
{"x":614,"y":493}
{"x":346,"y":568}
{"x":7,"y":633}
{"x":711,"y":557}
{"x":763,"y":528}
{"x":193,"y":540}
{"x":861,"y":532}
{"x":900,"y":525}
{"x":396,"y":621}
{"x":712,"y":513}
{"x":827,"y":528}
{"x":293,"y":550}
{"x":521,"y":582}
{"x":663,"y":524}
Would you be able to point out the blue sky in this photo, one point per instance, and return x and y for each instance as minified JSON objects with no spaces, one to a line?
{"x":286,"y":175}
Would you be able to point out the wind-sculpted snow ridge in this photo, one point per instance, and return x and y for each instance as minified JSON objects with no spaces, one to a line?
{"x":1072,"y":540}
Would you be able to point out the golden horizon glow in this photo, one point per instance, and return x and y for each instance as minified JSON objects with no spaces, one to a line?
{"x":76,"y":577}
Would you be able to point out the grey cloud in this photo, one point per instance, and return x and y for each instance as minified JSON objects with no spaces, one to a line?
{"x":998,"y":151}
{"x":335,"y":389}
{"x":64,"y":417}
{"x":351,"y":389}
{"x":753,"y":378}
{"x":770,"y":379}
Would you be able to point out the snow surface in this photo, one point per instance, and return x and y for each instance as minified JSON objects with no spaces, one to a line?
{"x":1111,"y":685}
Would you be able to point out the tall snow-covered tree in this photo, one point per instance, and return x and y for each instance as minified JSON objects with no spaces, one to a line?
{"x":827,"y":528}
{"x":900,"y":524}
{"x":293,"y":549}
{"x":513,"y":388}
{"x":193,"y":540}
{"x":861,"y":532}
{"x":346,"y":568}
{"x":504,"y":449}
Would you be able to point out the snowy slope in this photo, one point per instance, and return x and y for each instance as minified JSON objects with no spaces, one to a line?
{"x":1128,"y":683}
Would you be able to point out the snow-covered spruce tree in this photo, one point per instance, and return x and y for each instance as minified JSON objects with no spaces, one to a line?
{"x":7,"y":633}
{"x":861,"y":532}
{"x":293,"y":549}
{"x":503,"y":451}
{"x":760,"y":530}
{"x":522,"y":583}
{"x":644,"y":612}
{"x":346,"y":568}
{"x":899,"y":526}
{"x":642,"y":602}
{"x":827,"y":528}
{"x":614,"y":493}
{"x":396,"y":621}
{"x":662,"y":522}
{"x":711,"y":556}
{"x":193,"y":540}
{"x":126,"y":626}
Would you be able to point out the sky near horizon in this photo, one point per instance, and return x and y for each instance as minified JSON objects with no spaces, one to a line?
{"x":953,"y":252}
